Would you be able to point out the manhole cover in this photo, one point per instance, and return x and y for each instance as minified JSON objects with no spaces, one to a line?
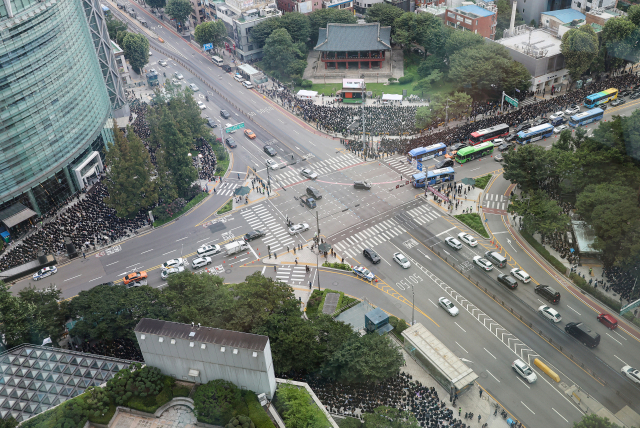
{"x":483,"y":375}
{"x":227,"y":271}
{"x":335,"y":283}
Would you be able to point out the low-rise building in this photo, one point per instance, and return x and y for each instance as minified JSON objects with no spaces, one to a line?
{"x":240,"y":17}
{"x":302,"y":6}
{"x":554,"y":19}
{"x":601,"y":16}
{"x":585,"y":6}
{"x":473,"y":18}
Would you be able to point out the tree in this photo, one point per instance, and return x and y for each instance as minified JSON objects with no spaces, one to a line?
{"x":297,"y":25}
{"x":280,"y":51}
{"x":114,"y":26}
{"x":298,"y":412}
{"x":390,"y":417}
{"x":260,"y":32}
{"x":129,"y":174}
{"x":179,"y":10}
{"x":321,"y":17}
{"x":425,"y":84}
{"x":384,"y":13}
{"x":430,"y":64}
{"x":8,"y":423}
{"x":120,"y":35}
{"x":459,"y":40}
{"x":157,"y":4}
{"x":165,"y":184}
{"x":213,"y":32}
{"x":216,"y":400}
{"x":579,"y":47}
{"x":370,"y":358}
{"x":619,"y":37}
{"x":527,"y":166}
{"x":136,"y":50}
{"x":424,"y":117}
{"x":539,"y":213}
{"x":592,"y":420}
{"x":178,"y":144}
{"x":516,"y":76}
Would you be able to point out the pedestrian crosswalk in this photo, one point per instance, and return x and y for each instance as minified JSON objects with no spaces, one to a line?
{"x":277,"y":236}
{"x":226,"y":189}
{"x":288,"y":176}
{"x":293,"y":275}
{"x":400,"y":164}
{"x":423,"y":214}
{"x":369,"y":237}
{"x":495,"y":201}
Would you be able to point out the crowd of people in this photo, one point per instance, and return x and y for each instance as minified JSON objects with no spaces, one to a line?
{"x":124,"y":349}
{"x":620,"y":281}
{"x":400,"y":392}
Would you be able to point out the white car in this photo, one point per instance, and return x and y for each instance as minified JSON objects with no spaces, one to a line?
{"x":173,"y":263}
{"x":549,"y":313}
{"x":306,"y":172}
{"x":178,"y":75}
{"x":162,"y":62}
{"x":468,"y":239}
{"x":558,"y":129}
{"x":556,"y":115}
{"x":166,"y":272}
{"x":297,"y":228}
{"x":632,"y":374}
{"x":483,"y":263}
{"x":45,"y":272}
{"x":199,"y":262}
{"x":521,"y":275}
{"x":363,"y":272}
{"x":524,"y":370}
{"x":238,"y":78}
{"x":272,"y":164}
{"x":175,"y":81}
{"x":448,"y":306}
{"x":498,"y":142}
{"x":453,"y":243}
{"x":574,"y":109}
{"x":193,"y":87}
{"x":401,"y":260}
{"x":201,"y":105}
{"x":208,"y":250}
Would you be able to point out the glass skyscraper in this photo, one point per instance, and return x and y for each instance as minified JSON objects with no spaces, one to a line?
{"x":59,"y":89}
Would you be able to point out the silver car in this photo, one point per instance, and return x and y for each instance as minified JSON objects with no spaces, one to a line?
{"x":401,"y":260}
{"x":448,"y":306}
{"x":524,"y":370}
{"x":199,"y":262}
{"x":306,"y":172}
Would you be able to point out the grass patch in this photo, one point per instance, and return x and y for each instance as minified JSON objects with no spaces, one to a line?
{"x":222,"y":165}
{"x":226,"y":207}
{"x":483,"y":181}
{"x":192,"y":203}
{"x":474,"y":221}
{"x":296,"y":405}
{"x":336,"y":265}
{"x":378,"y":88}
{"x":316,"y":301}
{"x":543,"y":252}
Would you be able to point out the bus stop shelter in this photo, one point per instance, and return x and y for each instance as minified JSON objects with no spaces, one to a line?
{"x":438,"y":360}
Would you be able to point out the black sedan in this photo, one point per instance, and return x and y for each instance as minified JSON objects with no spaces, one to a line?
{"x":255,"y":234}
{"x":458,"y":146}
{"x":504,"y":147}
{"x":635,"y":95}
{"x":507,"y":281}
{"x":230,"y":142}
{"x":523,"y":126}
{"x":444,"y":163}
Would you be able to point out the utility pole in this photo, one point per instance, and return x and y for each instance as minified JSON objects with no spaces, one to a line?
{"x":413,"y":305}
{"x":318,"y":245}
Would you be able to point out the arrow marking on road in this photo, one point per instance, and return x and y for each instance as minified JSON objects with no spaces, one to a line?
{"x":423,"y":254}
{"x":509,"y":242}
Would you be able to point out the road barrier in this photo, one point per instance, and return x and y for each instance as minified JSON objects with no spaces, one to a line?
{"x":542,"y":366}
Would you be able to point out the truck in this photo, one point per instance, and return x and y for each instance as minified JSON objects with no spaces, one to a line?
{"x":308,"y":201}
{"x":235,"y":247}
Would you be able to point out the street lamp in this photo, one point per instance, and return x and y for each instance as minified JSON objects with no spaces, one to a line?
{"x":413,"y":305}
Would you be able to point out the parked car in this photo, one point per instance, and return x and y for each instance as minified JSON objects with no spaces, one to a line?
{"x":521,"y":275}
{"x":558,"y":129}
{"x":453,"y":243}
{"x":507,"y":281}
{"x":467,"y":239}
{"x":574,"y":109}
{"x":618,"y":102}
{"x":193,"y":87}
{"x":199,"y":262}
{"x":363,"y":272}
{"x":484,"y":264}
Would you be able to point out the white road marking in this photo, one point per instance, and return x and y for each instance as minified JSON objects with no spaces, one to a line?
{"x":448,"y":230}
{"x":492,"y":375}
{"x":433,"y":303}
{"x":146,"y":251}
{"x":95,"y":279}
{"x":565,"y":419}
{"x":462,"y":347}
{"x":111,"y":264}
{"x":460,"y":327}
{"x":573,"y":310}
{"x":181,"y":239}
{"x":620,"y":360}
{"x":528,"y":408}
{"x":613,"y":338}
{"x":73,"y":277}
{"x":523,"y":382}
{"x":169,"y":252}
{"x":490,"y":353}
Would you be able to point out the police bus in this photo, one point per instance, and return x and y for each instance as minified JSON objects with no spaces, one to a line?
{"x":488,"y":134}
{"x":601,"y":97}
{"x":534,"y":134}
{"x":585,"y":117}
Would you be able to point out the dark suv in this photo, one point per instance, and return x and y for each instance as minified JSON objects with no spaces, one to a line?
{"x":225,"y":114}
{"x":255,"y":234}
{"x":269,"y":150}
{"x":507,"y":281}
{"x":314,"y":193}
{"x":523,"y":127}
{"x":361,"y":185}
{"x":373,"y":257}
{"x":230,"y":142}
{"x":444,"y":163}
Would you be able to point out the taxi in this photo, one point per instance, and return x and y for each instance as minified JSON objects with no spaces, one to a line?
{"x":249,"y":133}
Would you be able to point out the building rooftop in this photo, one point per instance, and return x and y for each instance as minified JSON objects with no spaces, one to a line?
{"x":215,"y":336}
{"x":354,"y":37}
{"x":473,"y":11}
{"x":565,"y":15}
{"x":536,"y":43}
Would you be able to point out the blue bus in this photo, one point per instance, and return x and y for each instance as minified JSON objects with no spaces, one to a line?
{"x":429,"y":152}
{"x":419,"y":179}
{"x":534,"y":134}
{"x":437,"y":176}
{"x":602,"y":97}
{"x":586,"y":117}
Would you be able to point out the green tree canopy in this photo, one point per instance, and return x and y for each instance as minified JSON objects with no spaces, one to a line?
{"x":321,"y":17}
{"x":459,"y":40}
{"x":280,"y":52}
{"x":424,"y":29}
{"x":390,"y":417}
{"x":136,"y":50}
{"x":114,"y":26}
{"x":156,"y":3}
{"x":297,"y":25}
{"x":592,"y":420}
{"x":579,"y":47}
{"x":620,"y":37}
{"x":129,"y":174}
{"x":384,"y":13}
{"x":263,"y":30}
{"x":179,"y":10}
{"x":213,"y":32}
{"x":504,"y":18}
{"x":527,"y":166}
{"x":540,"y":213}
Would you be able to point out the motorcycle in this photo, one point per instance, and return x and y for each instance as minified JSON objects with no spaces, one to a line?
{"x":206,"y":97}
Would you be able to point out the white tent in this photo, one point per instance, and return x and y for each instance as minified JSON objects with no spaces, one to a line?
{"x":391,"y":97}
{"x":306,"y":94}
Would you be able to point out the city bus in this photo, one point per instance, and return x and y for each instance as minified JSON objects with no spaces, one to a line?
{"x":419,"y":179}
{"x":429,"y":152}
{"x":474,"y":152}
{"x":600,"y":97}
{"x":586,"y":117}
{"x":534,"y":134}
{"x":489,"y":134}
{"x":437,"y":176}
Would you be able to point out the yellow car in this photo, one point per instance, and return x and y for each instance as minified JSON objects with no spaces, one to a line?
{"x":249,"y":133}
{"x":136,"y":276}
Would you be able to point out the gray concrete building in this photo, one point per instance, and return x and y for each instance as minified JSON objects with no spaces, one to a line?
{"x":202,"y":354}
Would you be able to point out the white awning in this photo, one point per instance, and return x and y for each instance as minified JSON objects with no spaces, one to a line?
{"x":391,"y":97}
{"x":194,"y":372}
{"x":306,"y":94}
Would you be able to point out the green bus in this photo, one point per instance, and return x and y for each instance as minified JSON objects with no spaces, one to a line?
{"x":474,"y":152}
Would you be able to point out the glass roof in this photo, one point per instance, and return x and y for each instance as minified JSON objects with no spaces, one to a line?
{"x":35,"y":378}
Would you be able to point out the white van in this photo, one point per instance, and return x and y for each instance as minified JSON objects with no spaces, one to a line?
{"x":247,"y":84}
{"x":227,"y":125}
{"x":238,"y":78}
{"x":217,"y":60}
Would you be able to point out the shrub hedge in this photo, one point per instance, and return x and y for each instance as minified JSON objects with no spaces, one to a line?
{"x":399,"y":325}
{"x":543,"y":252}
{"x":474,"y":221}
{"x":406,"y":79}
{"x":336,"y":265}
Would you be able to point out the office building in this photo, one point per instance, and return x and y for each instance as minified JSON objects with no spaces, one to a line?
{"x":479,"y":20}
{"x":202,"y":354}
{"x":60,"y":89}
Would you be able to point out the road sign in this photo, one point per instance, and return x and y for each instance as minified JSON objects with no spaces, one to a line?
{"x":234,"y":127}
{"x":630,"y":306}
{"x":207,"y":46}
{"x":511,"y":101}
{"x":419,"y":166}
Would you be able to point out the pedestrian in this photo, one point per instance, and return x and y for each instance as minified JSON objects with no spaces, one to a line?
{"x":83,"y":255}
{"x":480,"y":392}
{"x":309,"y":285}
{"x":479,"y":417}
{"x":459,"y":411}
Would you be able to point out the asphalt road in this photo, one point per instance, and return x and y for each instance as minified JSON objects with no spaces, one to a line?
{"x":387,"y":219}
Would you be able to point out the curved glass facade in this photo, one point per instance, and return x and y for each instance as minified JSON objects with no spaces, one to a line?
{"x":53,"y":99}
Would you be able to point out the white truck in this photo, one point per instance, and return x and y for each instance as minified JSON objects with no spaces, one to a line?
{"x":235,"y":247}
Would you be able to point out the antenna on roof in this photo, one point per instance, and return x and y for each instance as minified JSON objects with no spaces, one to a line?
{"x":198,"y":325}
